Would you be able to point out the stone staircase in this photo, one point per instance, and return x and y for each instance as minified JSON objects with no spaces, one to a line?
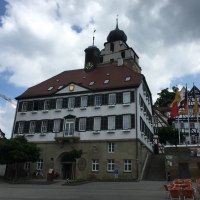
{"x":155,"y":170}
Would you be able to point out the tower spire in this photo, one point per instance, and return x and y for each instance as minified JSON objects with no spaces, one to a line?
{"x":93,"y":37}
{"x":117,"y":21}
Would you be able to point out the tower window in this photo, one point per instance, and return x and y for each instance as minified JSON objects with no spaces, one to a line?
{"x":101,"y":59}
{"x":123,"y":54}
{"x":111,"y":46}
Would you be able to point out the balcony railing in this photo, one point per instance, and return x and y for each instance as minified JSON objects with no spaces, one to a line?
{"x":63,"y":136}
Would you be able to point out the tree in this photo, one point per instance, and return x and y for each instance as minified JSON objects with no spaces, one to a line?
{"x":18,"y":150}
{"x":169,"y":134}
{"x":165,"y":97}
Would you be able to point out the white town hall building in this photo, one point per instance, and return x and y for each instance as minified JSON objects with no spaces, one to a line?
{"x":102,"y":113}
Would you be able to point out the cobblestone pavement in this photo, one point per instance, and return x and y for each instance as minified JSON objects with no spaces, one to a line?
{"x":144,"y":190}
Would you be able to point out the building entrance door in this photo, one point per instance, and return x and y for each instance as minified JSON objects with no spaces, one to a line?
{"x":67,"y":171}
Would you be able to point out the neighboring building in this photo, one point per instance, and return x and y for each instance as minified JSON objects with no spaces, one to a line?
{"x":103,"y":110}
{"x":182,"y":161}
{"x":189,"y":123}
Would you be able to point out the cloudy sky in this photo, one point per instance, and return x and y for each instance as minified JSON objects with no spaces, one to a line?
{"x":41,"y":38}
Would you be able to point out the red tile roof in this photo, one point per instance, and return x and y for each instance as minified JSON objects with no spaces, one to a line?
{"x":115,"y":74}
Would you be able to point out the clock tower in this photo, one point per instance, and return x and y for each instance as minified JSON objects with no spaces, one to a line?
{"x":92,"y":57}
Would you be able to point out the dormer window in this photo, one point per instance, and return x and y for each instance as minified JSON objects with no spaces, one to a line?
{"x":91,"y":83}
{"x":61,"y":86}
{"x":106,"y":81}
{"x":128,"y":78}
{"x":50,"y":88}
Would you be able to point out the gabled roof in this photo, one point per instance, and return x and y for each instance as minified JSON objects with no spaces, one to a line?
{"x":115,"y":74}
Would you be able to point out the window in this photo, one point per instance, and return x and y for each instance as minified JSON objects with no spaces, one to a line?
{"x":110,"y":165}
{"x":128,"y":78}
{"x":82,"y":124}
{"x":69,"y":127}
{"x":20,"y":128}
{"x":127,"y":166}
{"x":98,"y":99}
{"x":44,"y":126}
{"x":97,"y":123}
{"x":27,"y":165}
{"x":112,"y":99}
{"x":95,"y":165}
{"x":111,"y":46}
{"x":61,"y":86}
{"x":39,"y":164}
{"x":56,"y":125}
{"x":24,"y":106}
{"x":91,"y":83}
{"x":111,"y":122}
{"x":111,"y":147}
{"x":71,"y":102}
{"x":84,"y":100}
{"x":126,"y":97}
{"x":106,"y":81}
{"x":123,"y":54}
{"x":59,"y":103}
{"x":46,"y":105}
{"x":50,"y":88}
{"x":126,"y":122}
{"x":32,"y":127}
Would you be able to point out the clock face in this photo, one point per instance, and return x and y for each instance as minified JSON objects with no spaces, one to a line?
{"x":89,"y":65}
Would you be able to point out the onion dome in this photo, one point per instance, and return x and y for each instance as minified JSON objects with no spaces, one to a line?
{"x":116,"y":35}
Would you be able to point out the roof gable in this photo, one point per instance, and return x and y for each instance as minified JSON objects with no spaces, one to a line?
{"x":71,"y":88}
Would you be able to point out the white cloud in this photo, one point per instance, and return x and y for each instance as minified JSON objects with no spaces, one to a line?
{"x":37,"y":40}
{"x":7,"y":112}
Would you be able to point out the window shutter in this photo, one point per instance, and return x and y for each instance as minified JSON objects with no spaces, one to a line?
{"x":91,"y":100}
{"x":30,"y":106}
{"x":65,"y":103}
{"x":104,"y":123}
{"x":119,"y":97}
{"x":77,"y":124}
{"x":26,"y":126}
{"x":38,"y":126}
{"x":50,"y":126}
{"x":77,"y":101}
{"x":41,"y":105}
{"x":105,"y":99}
{"x":53,"y":104}
{"x":20,"y":107}
{"x":119,"y":122}
{"x":132,"y":121}
{"x":16,"y":127}
{"x":89,"y":123}
{"x":35,"y":105}
{"x":61,"y":125}
{"x":132,"y":96}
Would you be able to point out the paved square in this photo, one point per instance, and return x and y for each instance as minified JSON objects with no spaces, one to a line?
{"x":144,"y":190}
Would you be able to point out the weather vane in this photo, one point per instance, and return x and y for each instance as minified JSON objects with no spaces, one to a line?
{"x":93,"y":36}
{"x":117,"y":21}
